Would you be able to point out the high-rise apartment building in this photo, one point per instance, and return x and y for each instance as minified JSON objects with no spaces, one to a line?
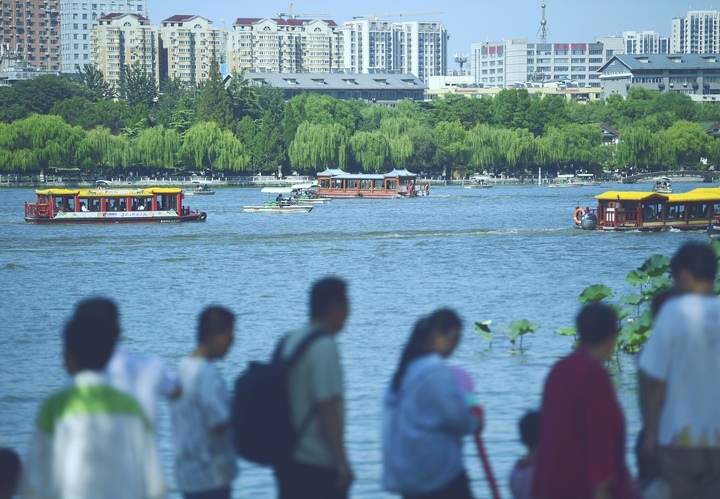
{"x":515,"y":61}
{"x":78,"y":17}
{"x":122,"y":39}
{"x":284,"y":46}
{"x":187,"y":46}
{"x":696,"y":33}
{"x":31,"y":32}
{"x":645,"y":42}
{"x":418,"y":48}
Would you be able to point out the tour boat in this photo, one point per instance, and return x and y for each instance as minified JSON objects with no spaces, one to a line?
{"x":663,"y":185}
{"x":200,"y":190}
{"x":651,"y":211}
{"x":565,"y":181}
{"x":85,"y":206}
{"x":478,"y":183}
{"x":306,"y":193}
{"x":280,"y":204}
{"x":335,"y":183}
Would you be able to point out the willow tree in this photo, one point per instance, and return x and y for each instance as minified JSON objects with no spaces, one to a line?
{"x":207,"y":146}
{"x":639,"y":146}
{"x":319,"y":146}
{"x":40,"y":141}
{"x":522,"y":151}
{"x":370,"y":149}
{"x":488,"y":146}
{"x":101,"y":148}
{"x":156,"y":147}
{"x":453,"y":152}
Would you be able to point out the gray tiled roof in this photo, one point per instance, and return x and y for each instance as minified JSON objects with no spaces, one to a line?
{"x":636,"y":62}
{"x":337,"y":81}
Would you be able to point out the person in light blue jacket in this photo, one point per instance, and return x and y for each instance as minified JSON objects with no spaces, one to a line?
{"x":426,"y":415}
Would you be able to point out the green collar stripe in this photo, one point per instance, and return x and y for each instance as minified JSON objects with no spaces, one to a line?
{"x":89,"y":399}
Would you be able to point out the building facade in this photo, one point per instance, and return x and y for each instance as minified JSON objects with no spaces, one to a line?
{"x":696,"y":75}
{"x":284,"y":46}
{"x":78,"y":18}
{"x":122,"y":39}
{"x":646,"y":42}
{"x":517,"y":62}
{"x":31,"y":32}
{"x":696,"y":33}
{"x":414,"y":47}
{"x":187,"y":47}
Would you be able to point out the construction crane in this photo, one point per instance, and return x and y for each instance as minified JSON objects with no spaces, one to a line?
{"x":406,"y":13}
{"x":294,"y":15}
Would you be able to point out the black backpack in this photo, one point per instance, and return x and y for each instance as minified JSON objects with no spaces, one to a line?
{"x":261,"y":415}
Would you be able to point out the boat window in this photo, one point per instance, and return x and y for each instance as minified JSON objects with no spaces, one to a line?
{"x":697,"y":210}
{"x":351,"y":183}
{"x":392,"y":184}
{"x":676,"y":212}
{"x":629,"y":205}
{"x":84,"y":204}
{"x":338,"y":183}
{"x":58,"y":204}
{"x":95,"y":204}
{"x":325,"y":183}
{"x":378,"y":184}
{"x":365,"y":184}
{"x":652,"y":211}
{"x":716,"y":210}
{"x":112,"y":204}
{"x":69,"y":203}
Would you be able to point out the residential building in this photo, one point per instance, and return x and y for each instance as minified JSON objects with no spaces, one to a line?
{"x":697,"y":75}
{"x":515,"y":61}
{"x":645,"y":42}
{"x":187,"y":47}
{"x":378,"y":88}
{"x":78,"y":17}
{"x":696,"y":33}
{"x":122,"y":39}
{"x":31,"y":32}
{"x":415,"y":47}
{"x":284,"y":46}
{"x":464,"y":85}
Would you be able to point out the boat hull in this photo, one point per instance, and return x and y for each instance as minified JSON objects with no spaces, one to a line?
{"x":112,"y":217}
{"x":277,"y":209}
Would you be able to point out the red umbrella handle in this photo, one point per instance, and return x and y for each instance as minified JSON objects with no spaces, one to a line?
{"x":477,"y":410}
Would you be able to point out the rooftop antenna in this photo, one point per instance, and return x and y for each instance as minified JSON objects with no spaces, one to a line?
{"x":461,"y":59}
{"x":543,"y":31}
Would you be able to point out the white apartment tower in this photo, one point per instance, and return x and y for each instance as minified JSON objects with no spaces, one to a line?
{"x":122,"y":39}
{"x":419,"y":48}
{"x":78,"y":17}
{"x":645,"y":42}
{"x":187,"y":46}
{"x":284,"y":46}
{"x":696,"y":33}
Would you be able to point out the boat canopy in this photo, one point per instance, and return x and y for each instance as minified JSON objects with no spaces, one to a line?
{"x":331,"y":172}
{"x":628,"y":196}
{"x":336,"y":172}
{"x":57,"y":192}
{"x":277,"y":190}
{"x":696,"y":195}
{"x":401,"y":173}
{"x":304,"y":185}
{"x":104,"y":193}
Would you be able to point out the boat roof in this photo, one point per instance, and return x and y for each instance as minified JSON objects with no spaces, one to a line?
{"x":277,"y":190}
{"x":101,"y":193}
{"x":338,"y":173}
{"x":304,"y":185}
{"x":628,"y":196}
{"x":701,"y":194}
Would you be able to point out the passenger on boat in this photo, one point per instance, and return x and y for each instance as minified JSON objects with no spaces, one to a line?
{"x":279,"y":199}
{"x":141,"y":207}
{"x":83,"y":207}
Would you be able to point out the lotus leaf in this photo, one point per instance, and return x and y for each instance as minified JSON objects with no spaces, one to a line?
{"x":594,"y":294}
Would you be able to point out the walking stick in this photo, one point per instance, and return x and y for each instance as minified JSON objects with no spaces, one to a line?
{"x":477,"y":410}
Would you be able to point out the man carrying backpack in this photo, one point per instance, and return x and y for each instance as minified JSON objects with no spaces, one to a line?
{"x":318,"y":467}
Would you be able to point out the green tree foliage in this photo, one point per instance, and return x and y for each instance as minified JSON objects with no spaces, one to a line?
{"x":137,"y":86}
{"x":452,"y":148}
{"x":319,"y":146}
{"x":93,"y":79}
{"x":215,"y":102}
{"x":206,"y":145}
{"x":689,"y":142}
{"x":38,"y":95}
{"x":101,"y":149}
{"x":371,"y":150}
{"x":156,"y":147}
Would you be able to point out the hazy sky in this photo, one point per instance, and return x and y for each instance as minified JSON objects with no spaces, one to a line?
{"x":467,"y":21}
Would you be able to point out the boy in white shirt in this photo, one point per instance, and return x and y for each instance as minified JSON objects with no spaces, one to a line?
{"x":204,"y":458}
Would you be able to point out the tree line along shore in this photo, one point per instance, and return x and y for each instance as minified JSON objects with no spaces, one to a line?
{"x":81,"y":122}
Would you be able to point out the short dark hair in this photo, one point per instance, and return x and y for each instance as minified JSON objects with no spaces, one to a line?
{"x":91,"y":341}
{"x":530,"y":429}
{"x":10,"y":467}
{"x":596,"y":323}
{"x":698,"y":259}
{"x":102,"y":309}
{"x":214,"y":320}
{"x":325,"y":294}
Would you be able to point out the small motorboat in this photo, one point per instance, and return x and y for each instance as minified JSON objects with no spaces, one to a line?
{"x":280,"y":204}
{"x":662,"y":185}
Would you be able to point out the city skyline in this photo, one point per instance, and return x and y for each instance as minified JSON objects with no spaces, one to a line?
{"x":467,"y":21}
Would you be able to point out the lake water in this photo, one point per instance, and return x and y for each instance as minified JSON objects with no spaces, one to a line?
{"x":503,"y":254}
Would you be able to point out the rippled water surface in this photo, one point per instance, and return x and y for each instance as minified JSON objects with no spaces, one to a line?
{"x":503,"y":254}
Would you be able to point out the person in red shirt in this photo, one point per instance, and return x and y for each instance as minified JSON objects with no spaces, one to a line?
{"x":581,"y":453}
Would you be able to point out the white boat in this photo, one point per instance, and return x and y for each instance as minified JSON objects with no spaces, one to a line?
{"x":564,"y":181}
{"x":279,"y":204}
{"x":587,"y":179}
{"x":305,"y":194}
{"x":478,"y":183}
{"x":662,"y":185}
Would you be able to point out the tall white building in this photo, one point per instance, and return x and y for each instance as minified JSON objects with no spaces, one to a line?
{"x":696,"y":33}
{"x":78,"y":17}
{"x":284,"y":46}
{"x":415,"y":47}
{"x":645,"y":42}
{"x":187,"y":46}
{"x":515,"y":61}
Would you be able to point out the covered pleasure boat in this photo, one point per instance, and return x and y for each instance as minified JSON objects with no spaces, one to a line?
{"x":335,"y":183}
{"x":652,"y":212}
{"x":277,"y":202}
{"x":86,"y":206}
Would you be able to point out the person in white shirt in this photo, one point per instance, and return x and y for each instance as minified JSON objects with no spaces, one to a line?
{"x":91,"y":440}
{"x":205,"y":462}
{"x":679,"y":375}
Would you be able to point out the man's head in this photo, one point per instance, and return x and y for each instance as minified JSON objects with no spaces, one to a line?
{"x":10,"y":468}
{"x":329,"y":306}
{"x":530,"y":429}
{"x":88,"y":343}
{"x":597,"y":326}
{"x":215,"y":331}
{"x":101,"y":309}
{"x":694,"y":267}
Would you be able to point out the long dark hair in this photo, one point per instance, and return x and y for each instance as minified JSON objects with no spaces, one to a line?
{"x":443,"y":320}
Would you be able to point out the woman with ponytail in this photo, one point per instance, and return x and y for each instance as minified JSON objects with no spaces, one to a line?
{"x":426,"y":415}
